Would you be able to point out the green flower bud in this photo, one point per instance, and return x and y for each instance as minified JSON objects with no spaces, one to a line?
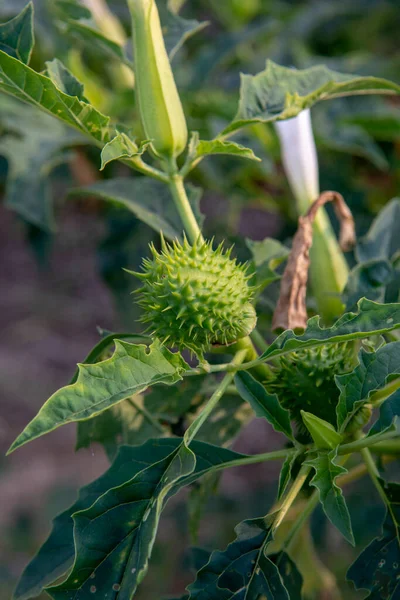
{"x":323,"y":433}
{"x":195,"y":296}
{"x":160,"y":107}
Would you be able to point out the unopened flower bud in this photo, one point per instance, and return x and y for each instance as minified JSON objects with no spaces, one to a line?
{"x":160,"y":107}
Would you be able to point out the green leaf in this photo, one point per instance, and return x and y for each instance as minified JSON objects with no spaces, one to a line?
{"x":383,"y":238}
{"x":208,"y":147}
{"x":33,"y":146}
{"x":371,"y":319}
{"x":147,"y":199}
{"x":101,"y":348}
{"x":244,"y":571}
{"x":71,"y":9}
{"x":264,"y":404}
{"x":22,"y":82}
{"x":368,"y":280}
{"x":135,"y":420}
{"x":176,"y":29}
{"x":97,"y":42}
{"x":63,"y":79}
{"x":281,"y":93}
{"x":388,"y":412}
{"x":268,"y":254}
{"x":323,"y":433}
{"x":330,"y":494}
{"x":129,"y":371}
{"x":146,"y":465}
{"x":374,"y":371}
{"x":377,"y":567}
{"x":121,"y":146}
{"x":17,"y":37}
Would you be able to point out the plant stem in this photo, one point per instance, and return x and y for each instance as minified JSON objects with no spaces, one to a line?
{"x":257,"y":458}
{"x":259,"y":340}
{"x":301,"y":519}
{"x":365,"y":442}
{"x":215,"y":398}
{"x":378,"y":397}
{"x":373,"y":471}
{"x":389,"y":447}
{"x":184,"y":209}
{"x":291,"y":496}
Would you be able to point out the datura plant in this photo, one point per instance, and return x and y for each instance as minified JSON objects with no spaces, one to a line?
{"x":328,"y":384}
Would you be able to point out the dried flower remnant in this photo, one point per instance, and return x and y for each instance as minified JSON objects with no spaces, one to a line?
{"x":291,"y":311}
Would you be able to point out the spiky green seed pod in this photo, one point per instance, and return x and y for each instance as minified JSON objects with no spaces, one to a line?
{"x":305,"y":380}
{"x":160,"y":107}
{"x":194,"y":296}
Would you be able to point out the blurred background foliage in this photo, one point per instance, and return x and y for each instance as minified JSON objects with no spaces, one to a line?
{"x":63,"y":250}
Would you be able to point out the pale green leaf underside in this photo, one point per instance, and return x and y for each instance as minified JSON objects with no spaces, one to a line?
{"x":22,"y":82}
{"x":130,"y":370}
{"x":208,"y":147}
{"x":120,"y":147}
{"x":371,"y":319}
{"x":279,"y":93}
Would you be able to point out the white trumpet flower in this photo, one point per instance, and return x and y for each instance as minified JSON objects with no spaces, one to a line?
{"x":299,"y":157}
{"x":328,"y":268}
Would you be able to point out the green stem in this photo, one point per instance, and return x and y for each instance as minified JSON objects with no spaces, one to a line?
{"x":291,"y":496}
{"x":139,"y":165}
{"x":190,"y":225}
{"x":378,"y":397}
{"x":259,"y":340}
{"x":365,"y":442}
{"x":389,"y":447}
{"x":257,"y":458}
{"x":373,"y":473}
{"x":193,"y":429}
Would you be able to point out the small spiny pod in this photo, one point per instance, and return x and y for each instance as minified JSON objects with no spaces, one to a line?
{"x":194,"y":296}
{"x":160,"y":107}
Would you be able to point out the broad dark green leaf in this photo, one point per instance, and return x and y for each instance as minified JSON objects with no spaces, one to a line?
{"x":129,"y":371}
{"x":121,"y":146}
{"x":243,"y":571}
{"x":17,"y":37}
{"x":264,"y":404}
{"x":281,"y":93}
{"x":208,"y":147}
{"x":143,"y":464}
{"x":63,"y":79}
{"x":378,"y":566}
{"x":374,"y":371}
{"x":197,"y":501}
{"x":22,"y":82}
{"x":330,"y":494}
{"x":33,"y":146}
{"x":225,"y":424}
{"x":383,"y":238}
{"x":371,"y":319}
{"x":149,"y":200}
